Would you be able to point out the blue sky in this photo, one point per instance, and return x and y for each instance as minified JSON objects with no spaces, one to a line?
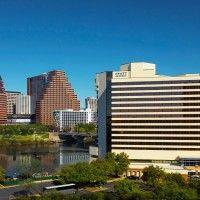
{"x":84,"y":37}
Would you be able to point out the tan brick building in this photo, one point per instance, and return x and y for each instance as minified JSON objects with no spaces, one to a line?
{"x":12,"y":101}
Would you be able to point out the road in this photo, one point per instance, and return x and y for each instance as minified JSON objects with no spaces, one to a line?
{"x":6,"y":192}
{"x":38,"y":187}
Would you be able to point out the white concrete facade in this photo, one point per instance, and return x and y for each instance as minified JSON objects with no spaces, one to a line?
{"x":23,"y":105}
{"x":69,"y":118}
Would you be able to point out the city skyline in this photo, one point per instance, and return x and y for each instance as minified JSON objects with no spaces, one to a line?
{"x":91,"y":37}
{"x":100,"y":94}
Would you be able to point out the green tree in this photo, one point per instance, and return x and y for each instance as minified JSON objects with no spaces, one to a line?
{"x":122,"y":163}
{"x":119,"y":163}
{"x":2,"y":173}
{"x":54,"y":195}
{"x":106,"y":167}
{"x":195,"y":184}
{"x":83,"y":173}
{"x":23,"y":169}
{"x":175,"y":178}
{"x":85,"y":128}
{"x":27,"y":169}
{"x":100,"y":171}
{"x":153,"y":176}
{"x":93,"y":196}
{"x":78,"y":173}
{"x":97,"y":171}
{"x":172,"y":191}
{"x":124,"y":188}
{"x":110,"y":159}
{"x":127,"y":189}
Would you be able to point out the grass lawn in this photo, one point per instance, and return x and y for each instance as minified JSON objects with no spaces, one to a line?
{"x":25,"y":139}
{"x":95,"y":189}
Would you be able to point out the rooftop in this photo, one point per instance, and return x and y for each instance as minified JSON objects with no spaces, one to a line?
{"x":14,"y":92}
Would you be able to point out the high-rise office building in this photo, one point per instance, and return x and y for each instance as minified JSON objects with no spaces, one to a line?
{"x":50,"y":91}
{"x":35,"y":88}
{"x":23,"y":106}
{"x":91,"y":103}
{"x":12,"y":101}
{"x":3,"y":103}
{"x":152,"y":118}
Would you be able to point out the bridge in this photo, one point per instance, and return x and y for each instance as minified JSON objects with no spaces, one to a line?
{"x":74,"y":134}
{"x":71,"y":137}
{"x":74,"y":137}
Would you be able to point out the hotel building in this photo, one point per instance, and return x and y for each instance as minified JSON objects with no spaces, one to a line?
{"x":70,"y":118}
{"x":49,"y":92}
{"x":3,"y":103}
{"x":151,"y":117}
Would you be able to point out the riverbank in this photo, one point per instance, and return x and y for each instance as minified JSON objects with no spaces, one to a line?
{"x":24,"y":134}
{"x":42,"y":138}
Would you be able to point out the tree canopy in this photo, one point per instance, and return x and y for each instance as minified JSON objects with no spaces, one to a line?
{"x":85,"y":128}
{"x":97,"y":171}
{"x":153,"y":175}
{"x":165,"y":187}
{"x":168,"y":186}
{"x":127,"y":189}
{"x":26,"y":170}
{"x":118,"y":162}
{"x":27,"y":129}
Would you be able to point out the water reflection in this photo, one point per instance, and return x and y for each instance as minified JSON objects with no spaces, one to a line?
{"x":50,"y":156}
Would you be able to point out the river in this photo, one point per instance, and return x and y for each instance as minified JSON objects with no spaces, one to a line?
{"x":51,"y":156}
